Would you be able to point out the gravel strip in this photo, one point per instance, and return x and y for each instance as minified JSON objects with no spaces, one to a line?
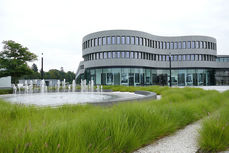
{"x":183,"y":141}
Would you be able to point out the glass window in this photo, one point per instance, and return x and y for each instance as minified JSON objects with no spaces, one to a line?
{"x":179,"y":45}
{"x":175,"y":57}
{"x":158,"y":44}
{"x":140,"y":55}
{"x":184,"y":57}
{"x":118,"y":39}
{"x":131,"y":54}
{"x":193,"y":44}
{"x":201,"y":44}
{"x":168,"y":45}
{"x":192,"y":57}
{"x":164,"y":45}
{"x":101,"y":55}
{"x":118,"y":54}
{"x":189,"y":44}
{"x":153,"y":43}
{"x":197,"y":44}
{"x":205,"y":45}
{"x":122,"y":54}
{"x":109,"y":78}
{"x":92,"y":44}
{"x":136,"y":55}
{"x":145,"y":42}
{"x":89,"y":43}
{"x":156,"y":57}
{"x":141,"y":41}
{"x":128,"y":40}
{"x":105,"y":55}
{"x":137,"y":40}
{"x":167,"y":57}
{"x":175,"y":45}
{"x":196,"y":57}
{"x":109,"y":40}
{"x":100,"y":41}
{"x":132,"y":40}
{"x":123,"y":40}
{"x":113,"y":40}
{"x":97,"y":55}
{"x":171,"y":45}
{"x":184,"y":45}
{"x":209,"y":45}
{"x":200,"y":57}
{"x":161,"y":45}
{"x":127,"y":54}
{"x":113,"y":54}
{"x":150,"y":43}
{"x":172,"y":58}
{"x":188,"y":57}
{"x":143,"y":55}
{"x":104,"y":40}
{"x":179,"y":57}
{"x":109,"y":54}
{"x":163,"y":57}
{"x":159,"y":57}
{"x":96,"y":42}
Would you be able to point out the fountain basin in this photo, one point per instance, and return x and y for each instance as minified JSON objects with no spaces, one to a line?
{"x":61,"y":98}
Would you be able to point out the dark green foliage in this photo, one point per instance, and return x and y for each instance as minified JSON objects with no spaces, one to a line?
{"x":13,"y":60}
{"x":6,"y":91}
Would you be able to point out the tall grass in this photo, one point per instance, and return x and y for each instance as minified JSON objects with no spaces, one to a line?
{"x":123,"y":127}
{"x":214,"y":135}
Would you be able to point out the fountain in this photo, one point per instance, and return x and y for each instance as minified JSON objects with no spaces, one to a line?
{"x":73,"y":86}
{"x":45,"y":98}
{"x":14,"y":89}
{"x":63,"y":85}
{"x":58,"y":85}
{"x":42,"y":86}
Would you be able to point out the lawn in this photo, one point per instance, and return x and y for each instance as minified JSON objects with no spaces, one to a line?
{"x":123,"y":127}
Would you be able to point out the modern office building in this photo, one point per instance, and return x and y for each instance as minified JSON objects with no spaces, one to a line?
{"x":127,"y":57}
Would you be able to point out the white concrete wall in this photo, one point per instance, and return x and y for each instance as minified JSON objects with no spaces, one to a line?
{"x":5,"y":82}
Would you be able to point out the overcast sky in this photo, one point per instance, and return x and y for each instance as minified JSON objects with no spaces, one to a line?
{"x":56,"y":27}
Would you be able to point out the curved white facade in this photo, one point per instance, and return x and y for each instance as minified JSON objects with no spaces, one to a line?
{"x":134,"y":49}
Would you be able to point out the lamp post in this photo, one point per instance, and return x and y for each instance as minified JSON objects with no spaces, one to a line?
{"x":170,"y":74}
{"x":42,"y":72}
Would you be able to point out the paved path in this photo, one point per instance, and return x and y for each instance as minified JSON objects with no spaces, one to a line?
{"x":182,"y":141}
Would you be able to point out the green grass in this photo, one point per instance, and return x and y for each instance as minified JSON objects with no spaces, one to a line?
{"x":123,"y":127}
{"x":214,"y":135}
{"x":6,"y":91}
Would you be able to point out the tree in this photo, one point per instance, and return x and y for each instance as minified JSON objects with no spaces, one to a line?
{"x":13,"y":60}
{"x":34,"y":68}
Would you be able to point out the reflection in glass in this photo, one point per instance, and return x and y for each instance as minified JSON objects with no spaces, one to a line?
{"x":113,"y":40}
{"x":113,"y":54}
{"x":137,"y":40}
{"x":123,"y":40}
{"x":118,"y":40}
{"x":132,"y":40}
{"x":127,"y":40}
{"x":104,"y":40}
{"x":100,"y":41}
{"x":109,"y":40}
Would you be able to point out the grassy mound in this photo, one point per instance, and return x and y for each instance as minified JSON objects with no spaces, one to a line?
{"x":214,"y":135}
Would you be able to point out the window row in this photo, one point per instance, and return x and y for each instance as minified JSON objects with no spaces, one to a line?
{"x":132,"y":40}
{"x":222,"y":59}
{"x":148,"y":56}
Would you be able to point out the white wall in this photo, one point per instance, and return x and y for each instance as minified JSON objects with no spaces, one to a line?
{"x":5,"y":82}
